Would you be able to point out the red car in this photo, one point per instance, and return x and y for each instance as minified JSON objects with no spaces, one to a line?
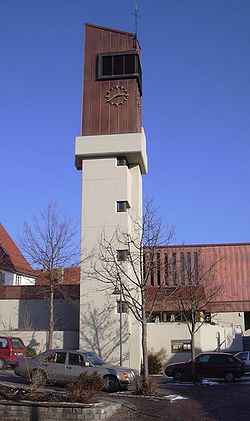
{"x":11,"y":349}
{"x":208,"y":365}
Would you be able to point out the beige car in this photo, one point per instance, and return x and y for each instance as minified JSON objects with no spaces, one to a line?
{"x":65,"y":365}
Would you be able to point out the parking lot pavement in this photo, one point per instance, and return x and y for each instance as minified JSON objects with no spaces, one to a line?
{"x":10,"y":377}
{"x":163,"y":381}
{"x":178,"y":401}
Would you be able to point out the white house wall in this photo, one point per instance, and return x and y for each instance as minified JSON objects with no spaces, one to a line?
{"x":208,"y":338}
{"x":11,"y":278}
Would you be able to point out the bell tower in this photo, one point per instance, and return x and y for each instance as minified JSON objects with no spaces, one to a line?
{"x":111,"y":152}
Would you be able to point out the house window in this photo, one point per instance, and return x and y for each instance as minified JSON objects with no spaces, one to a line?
{"x":18,"y":279}
{"x":2,"y":278}
{"x":122,"y":255}
{"x":122,"y":206}
{"x":180,"y":346}
{"x":124,"y":65}
{"x":121,"y":161}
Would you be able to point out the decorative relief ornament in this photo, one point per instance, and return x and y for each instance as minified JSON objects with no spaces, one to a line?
{"x":116,"y":95}
{"x":139,"y":103}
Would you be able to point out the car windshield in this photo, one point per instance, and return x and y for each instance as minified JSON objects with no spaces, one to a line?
{"x":93,"y":358}
{"x":17,"y":343}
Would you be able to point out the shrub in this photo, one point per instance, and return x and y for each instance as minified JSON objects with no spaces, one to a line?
{"x":84,"y":390}
{"x":155,"y":361}
{"x":146,"y":387}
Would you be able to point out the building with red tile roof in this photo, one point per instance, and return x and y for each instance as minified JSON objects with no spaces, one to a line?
{"x":14,"y":268}
{"x":230,"y":309}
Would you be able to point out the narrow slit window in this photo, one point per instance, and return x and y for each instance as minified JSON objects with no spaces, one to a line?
{"x":174,"y":274}
{"x":196,"y":268}
{"x":166,"y":270}
{"x":182,"y":262}
{"x":122,"y":206}
{"x":121,"y":161}
{"x":129,"y":64}
{"x":122,"y":255}
{"x":107,"y":65}
{"x":158,"y":269}
{"x":152,"y":281}
{"x":118,"y":65}
{"x":189,"y":269}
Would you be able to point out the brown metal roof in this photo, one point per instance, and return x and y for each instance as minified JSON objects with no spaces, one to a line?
{"x":231,"y":272}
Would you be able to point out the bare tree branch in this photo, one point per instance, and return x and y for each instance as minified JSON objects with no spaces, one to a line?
{"x":132,"y":273}
{"x":48,"y":243}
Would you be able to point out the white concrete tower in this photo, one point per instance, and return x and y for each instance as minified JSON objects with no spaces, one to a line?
{"x":111,"y":152}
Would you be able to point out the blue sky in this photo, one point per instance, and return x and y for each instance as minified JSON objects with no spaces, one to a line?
{"x":196,"y":109}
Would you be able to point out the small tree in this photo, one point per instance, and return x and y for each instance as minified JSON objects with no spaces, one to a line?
{"x":196,"y":289}
{"x":131,"y":274}
{"x":48,"y":243}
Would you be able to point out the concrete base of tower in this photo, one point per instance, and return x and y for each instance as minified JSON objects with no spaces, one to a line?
{"x":130,"y":145}
{"x":106,"y":183}
{"x":101,"y":330}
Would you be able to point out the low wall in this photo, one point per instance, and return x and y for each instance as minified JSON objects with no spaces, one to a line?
{"x":207,"y":338}
{"x":55,"y":412}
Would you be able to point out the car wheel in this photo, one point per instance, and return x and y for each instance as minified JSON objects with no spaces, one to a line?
{"x":2,"y":364}
{"x":111,"y":384}
{"x":38,"y":378}
{"x":229,"y":376}
{"x":178,"y":375}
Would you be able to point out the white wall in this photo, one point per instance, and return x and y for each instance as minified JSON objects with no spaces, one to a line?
{"x":105,"y":183}
{"x":38,"y":339}
{"x":207,"y":338}
{"x":229,"y":318}
{"x":30,"y":314}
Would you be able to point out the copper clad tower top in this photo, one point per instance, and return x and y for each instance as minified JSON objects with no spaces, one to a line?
{"x":112,"y":85}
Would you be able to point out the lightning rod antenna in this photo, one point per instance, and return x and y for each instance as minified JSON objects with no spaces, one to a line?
{"x":135,"y":14}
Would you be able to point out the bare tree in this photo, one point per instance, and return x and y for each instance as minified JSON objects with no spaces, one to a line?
{"x":48,"y":243}
{"x":130,"y":271}
{"x":197,"y":289}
